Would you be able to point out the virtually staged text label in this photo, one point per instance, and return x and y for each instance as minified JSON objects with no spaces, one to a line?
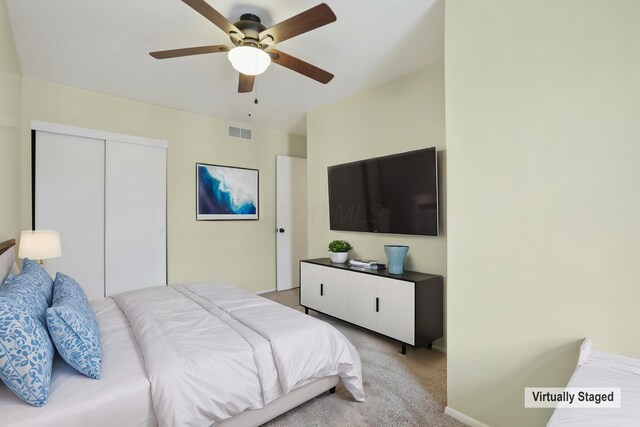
{"x":572,"y":397}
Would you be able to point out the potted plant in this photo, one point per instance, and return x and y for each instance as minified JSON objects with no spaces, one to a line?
{"x":339,"y":251}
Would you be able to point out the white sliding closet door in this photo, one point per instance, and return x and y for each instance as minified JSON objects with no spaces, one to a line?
{"x":69,"y":184}
{"x":135,"y":216}
{"x":106,"y":194}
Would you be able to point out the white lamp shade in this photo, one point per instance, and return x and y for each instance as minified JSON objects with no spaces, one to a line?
{"x":39,"y":244}
{"x":249,"y":60}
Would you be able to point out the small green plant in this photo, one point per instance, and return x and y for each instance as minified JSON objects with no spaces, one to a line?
{"x":340,"y":246}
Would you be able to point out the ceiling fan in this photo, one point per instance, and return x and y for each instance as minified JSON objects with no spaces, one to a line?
{"x":253,"y":44}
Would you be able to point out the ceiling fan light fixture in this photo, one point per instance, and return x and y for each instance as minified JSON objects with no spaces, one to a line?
{"x":249,"y":60}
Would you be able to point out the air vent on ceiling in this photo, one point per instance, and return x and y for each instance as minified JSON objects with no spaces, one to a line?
{"x":241,"y":133}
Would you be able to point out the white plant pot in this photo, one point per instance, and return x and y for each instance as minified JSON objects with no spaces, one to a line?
{"x":338,"y":257}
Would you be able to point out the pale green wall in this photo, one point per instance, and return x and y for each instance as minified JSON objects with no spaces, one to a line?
{"x":543,"y":141}
{"x":10,"y":81}
{"x":219,"y":250}
{"x":400,"y":115}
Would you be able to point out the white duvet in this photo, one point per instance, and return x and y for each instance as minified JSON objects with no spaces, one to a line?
{"x":602,"y":369}
{"x":213,"y":350}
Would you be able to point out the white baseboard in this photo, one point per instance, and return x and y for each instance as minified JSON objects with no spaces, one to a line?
{"x":264,"y":291}
{"x":440,"y":345}
{"x":471,"y":422}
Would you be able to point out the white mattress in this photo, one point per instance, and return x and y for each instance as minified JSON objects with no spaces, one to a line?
{"x":600,"y":369}
{"x":75,"y":400}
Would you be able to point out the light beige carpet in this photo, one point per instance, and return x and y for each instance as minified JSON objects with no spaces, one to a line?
{"x":407,"y":390}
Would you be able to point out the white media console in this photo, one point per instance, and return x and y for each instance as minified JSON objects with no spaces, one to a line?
{"x":406,"y":307}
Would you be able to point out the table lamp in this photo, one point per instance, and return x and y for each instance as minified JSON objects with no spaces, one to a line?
{"x":39,"y":244}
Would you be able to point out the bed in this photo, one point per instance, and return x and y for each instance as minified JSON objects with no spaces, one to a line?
{"x":192,"y":354}
{"x":601,"y":369}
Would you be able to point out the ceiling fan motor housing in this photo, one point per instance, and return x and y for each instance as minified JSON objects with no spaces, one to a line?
{"x":251,"y":27}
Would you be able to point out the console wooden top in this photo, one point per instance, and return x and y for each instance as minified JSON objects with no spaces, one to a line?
{"x":409,"y":276}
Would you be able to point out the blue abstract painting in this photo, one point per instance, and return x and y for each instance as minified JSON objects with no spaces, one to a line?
{"x":226,"y":192}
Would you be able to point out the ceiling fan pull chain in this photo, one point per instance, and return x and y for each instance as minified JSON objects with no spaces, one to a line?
{"x":255,"y":101}
{"x":255,"y":90}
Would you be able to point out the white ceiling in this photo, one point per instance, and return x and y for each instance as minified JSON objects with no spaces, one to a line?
{"x":103,"y":45}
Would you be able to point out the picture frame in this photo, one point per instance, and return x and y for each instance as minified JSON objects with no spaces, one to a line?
{"x":226,"y":193}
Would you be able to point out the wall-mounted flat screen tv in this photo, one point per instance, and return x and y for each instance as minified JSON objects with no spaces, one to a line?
{"x":395,"y":194}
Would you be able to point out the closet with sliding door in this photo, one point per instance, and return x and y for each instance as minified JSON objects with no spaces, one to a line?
{"x":106,"y":195}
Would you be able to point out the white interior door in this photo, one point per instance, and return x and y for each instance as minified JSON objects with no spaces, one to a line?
{"x":291,"y":220}
{"x":135,"y":216}
{"x":69,"y":197}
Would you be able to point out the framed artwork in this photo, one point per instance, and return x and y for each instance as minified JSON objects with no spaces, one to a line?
{"x":226,"y":193}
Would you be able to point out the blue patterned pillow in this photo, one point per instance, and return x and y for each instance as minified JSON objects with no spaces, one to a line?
{"x":26,"y":351}
{"x":74,"y":328}
{"x":10,"y":278}
{"x":33,"y":284}
{"x":37,"y":277}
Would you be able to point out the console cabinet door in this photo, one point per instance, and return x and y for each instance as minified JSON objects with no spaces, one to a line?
{"x":310,"y":280}
{"x":335,"y":299}
{"x":363,"y":291}
{"x":396,"y":313}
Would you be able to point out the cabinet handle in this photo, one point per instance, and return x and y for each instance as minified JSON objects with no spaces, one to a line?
{"x":377,"y":304}
{"x":321,"y":289}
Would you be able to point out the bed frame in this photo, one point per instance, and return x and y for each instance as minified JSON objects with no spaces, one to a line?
{"x":252,"y":417}
{"x":282,"y":404}
{"x":7,"y":258}
{"x":4,"y":246}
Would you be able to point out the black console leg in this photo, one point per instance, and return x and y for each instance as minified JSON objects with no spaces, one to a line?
{"x":332,"y":390}
{"x":430,"y":345}
{"x":306,"y":310}
{"x":403,"y":350}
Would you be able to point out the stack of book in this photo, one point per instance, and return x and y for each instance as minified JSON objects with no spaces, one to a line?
{"x":371,"y":265}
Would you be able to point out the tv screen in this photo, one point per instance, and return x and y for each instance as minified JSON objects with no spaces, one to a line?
{"x":395,"y":194}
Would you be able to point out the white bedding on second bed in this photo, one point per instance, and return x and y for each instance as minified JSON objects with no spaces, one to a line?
{"x":78,"y":401}
{"x":600,"y":369}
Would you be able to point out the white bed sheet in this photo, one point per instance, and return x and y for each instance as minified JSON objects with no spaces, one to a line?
{"x":122,"y":397}
{"x":600,"y":369}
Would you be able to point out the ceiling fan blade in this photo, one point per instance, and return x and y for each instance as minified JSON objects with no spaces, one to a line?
{"x":205,"y":9}
{"x":299,"y":24}
{"x":299,"y":66}
{"x":174,"y":53}
{"x":245,"y":84}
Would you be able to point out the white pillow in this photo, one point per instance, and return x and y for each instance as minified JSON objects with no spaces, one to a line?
{"x":585,"y":349}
